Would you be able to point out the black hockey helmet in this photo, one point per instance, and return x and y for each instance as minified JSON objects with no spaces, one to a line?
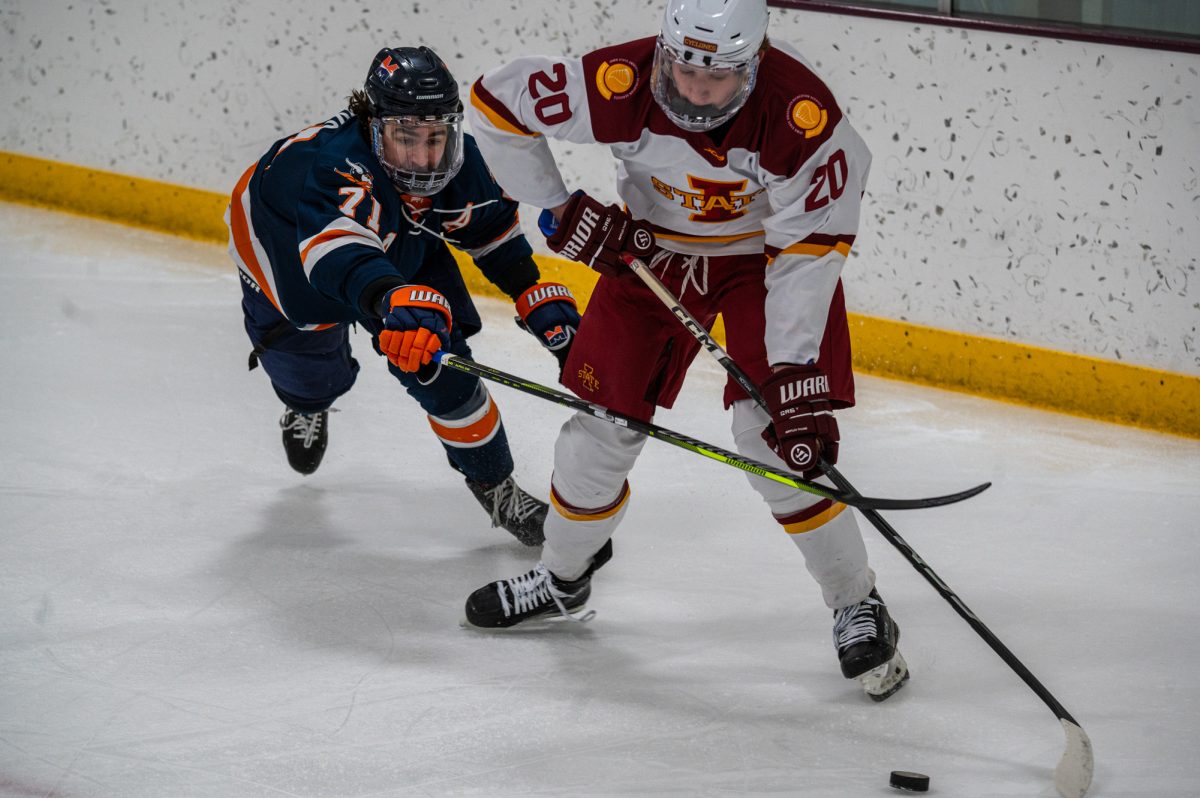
{"x":411,"y":81}
{"x":416,"y":118}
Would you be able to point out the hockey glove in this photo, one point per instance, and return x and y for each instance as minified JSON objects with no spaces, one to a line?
{"x":416,"y":319}
{"x":802,"y":429}
{"x":548,"y":311}
{"x":596,"y":235}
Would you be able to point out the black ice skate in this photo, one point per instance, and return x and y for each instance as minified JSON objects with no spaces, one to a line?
{"x":305,"y":436}
{"x":866,"y":638}
{"x":535,"y":596}
{"x":513,"y":509}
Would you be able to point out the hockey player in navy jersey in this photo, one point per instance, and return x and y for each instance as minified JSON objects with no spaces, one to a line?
{"x":347,"y":222}
{"x":741,"y":181}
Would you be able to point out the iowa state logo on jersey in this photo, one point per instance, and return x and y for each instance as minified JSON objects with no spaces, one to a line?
{"x":615,"y":79}
{"x":805,"y":115}
{"x":711,"y":201}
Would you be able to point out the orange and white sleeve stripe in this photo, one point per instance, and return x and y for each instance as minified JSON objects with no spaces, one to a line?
{"x":508,"y":235}
{"x":342,"y":231}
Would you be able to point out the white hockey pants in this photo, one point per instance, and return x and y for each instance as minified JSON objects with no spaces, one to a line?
{"x":592,"y":458}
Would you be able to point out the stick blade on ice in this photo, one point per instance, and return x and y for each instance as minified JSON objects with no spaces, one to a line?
{"x":1073,"y":775}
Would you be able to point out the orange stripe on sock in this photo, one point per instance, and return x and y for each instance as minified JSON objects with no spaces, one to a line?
{"x":469,"y":434}
{"x":812,"y":518}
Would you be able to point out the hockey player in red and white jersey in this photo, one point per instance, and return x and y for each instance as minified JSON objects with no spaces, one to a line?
{"x":741,"y":181}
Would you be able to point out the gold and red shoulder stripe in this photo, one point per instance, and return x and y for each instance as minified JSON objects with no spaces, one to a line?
{"x":816,"y":245}
{"x":496,"y":112}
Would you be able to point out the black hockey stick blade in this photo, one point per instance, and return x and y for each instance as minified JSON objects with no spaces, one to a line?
{"x":847,"y":497}
{"x":933,"y":501}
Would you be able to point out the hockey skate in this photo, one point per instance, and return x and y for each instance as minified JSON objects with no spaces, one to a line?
{"x":534,"y":599}
{"x":866,"y":638}
{"x":305,"y":436}
{"x":514,"y":509}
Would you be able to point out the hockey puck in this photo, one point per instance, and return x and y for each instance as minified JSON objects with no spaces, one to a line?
{"x":909,"y":782}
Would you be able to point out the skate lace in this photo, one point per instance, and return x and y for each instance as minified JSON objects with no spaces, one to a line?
{"x":509,"y":502}
{"x":855,"y":624}
{"x":691,"y":265}
{"x":532,"y":591}
{"x":303,"y":427}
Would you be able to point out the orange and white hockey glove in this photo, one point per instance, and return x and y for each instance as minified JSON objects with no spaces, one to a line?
{"x":416,"y":321}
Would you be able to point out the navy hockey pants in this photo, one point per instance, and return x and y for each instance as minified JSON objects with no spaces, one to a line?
{"x":310,"y":369}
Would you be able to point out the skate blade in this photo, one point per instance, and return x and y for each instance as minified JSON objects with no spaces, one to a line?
{"x":538,"y":623}
{"x":882,"y":682}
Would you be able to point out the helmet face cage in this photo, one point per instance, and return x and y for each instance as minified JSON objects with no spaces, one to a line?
{"x":421,"y":154}
{"x":415,"y":119}
{"x":677,"y":74}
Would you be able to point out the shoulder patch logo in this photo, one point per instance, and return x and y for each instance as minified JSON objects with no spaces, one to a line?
{"x":358,"y":175}
{"x":615,"y":79}
{"x":807,"y":116}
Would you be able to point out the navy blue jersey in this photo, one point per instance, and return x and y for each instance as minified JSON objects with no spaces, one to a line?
{"x":316,"y":223}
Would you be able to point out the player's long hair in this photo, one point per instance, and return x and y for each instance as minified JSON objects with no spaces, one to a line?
{"x":360,"y":106}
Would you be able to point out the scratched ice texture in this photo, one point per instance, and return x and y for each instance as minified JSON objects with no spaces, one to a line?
{"x":182,"y":615}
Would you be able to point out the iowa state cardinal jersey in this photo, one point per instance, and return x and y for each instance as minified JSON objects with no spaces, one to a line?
{"x":317,"y":220}
{"x":786,"y":178}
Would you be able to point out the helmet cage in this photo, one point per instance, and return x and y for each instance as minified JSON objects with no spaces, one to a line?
{"x":686,"y":114}
{"x":420,"y":154}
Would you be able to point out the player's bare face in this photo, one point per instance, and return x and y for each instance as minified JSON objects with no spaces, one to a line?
{"x":417,"y":148}
{"x":705,"y":86}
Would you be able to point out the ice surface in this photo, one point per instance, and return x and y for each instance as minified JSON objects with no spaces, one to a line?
{"x":182,"y":615}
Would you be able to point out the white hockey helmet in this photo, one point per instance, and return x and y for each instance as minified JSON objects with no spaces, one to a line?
{"x":706,"y":59}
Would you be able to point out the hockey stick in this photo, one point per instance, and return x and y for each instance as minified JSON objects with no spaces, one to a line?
{"x":691,"y":444}
{"x":1073,"y":775}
